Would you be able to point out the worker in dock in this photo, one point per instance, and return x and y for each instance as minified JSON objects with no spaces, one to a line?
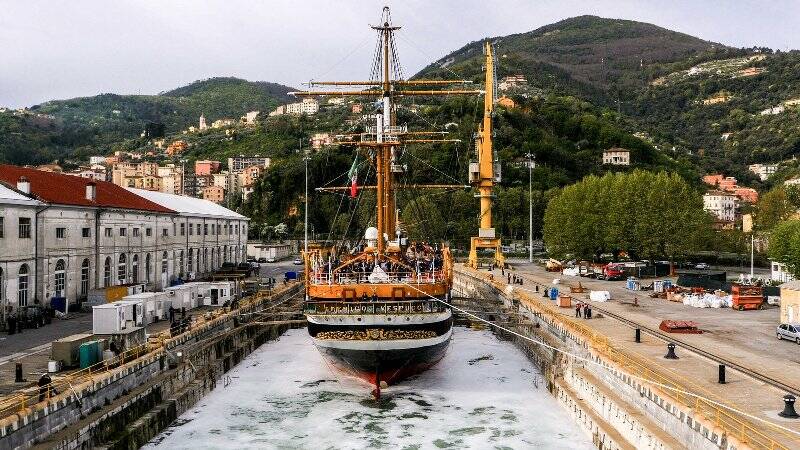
{"x":578,"y":308}
{"x":44,"y":387}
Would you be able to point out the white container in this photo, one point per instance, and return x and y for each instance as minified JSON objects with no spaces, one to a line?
{"x":218,"y":294}
{"x":108,"y":318}
{"x":183,"y":295}
{"x":151,"y":304}
{"x":53,"y":366}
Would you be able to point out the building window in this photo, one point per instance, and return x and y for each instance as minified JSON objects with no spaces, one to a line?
{"x":2,"y":228}
{"x":183,"y":229}
{"x":205,"y":229}
{"x":164,"y":263}
{"x":191,"y":255}
{"x":148,"y":232}
{"x":180,"y":261}
{"x":61,"y":233}
{"x":237,"y":229}
{"x":135,"y":232}
{"x":108,"y":232}
{"x":174,"y":229}
{"x":122,"y":269}
{"x":122,"y":231}
{"x":107,"y":272}
{"x":2,"y":289}
{"x":86,"y":232}
{"x":148,"y":268}
{"x":85,"y":277}
{"x":191,"y":230}
{"x":24,"y":229}
{"x":164,"y":232}
{"x":60,"y":278}
{"x":135,"y":269}
{"x":198,"y":229}
{"x":22,"y":285}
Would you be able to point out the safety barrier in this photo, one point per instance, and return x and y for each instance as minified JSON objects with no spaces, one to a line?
{"x":76,"y":382}
{"x":637,"y":369}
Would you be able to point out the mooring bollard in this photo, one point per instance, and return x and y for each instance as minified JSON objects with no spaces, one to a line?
{"x":537,"y":288}
{"x":788,"y":407}
{"x":671,"y":352}
{"x":638,"y":335}
{"x":722,"y":374}
{"x":18,"y":373}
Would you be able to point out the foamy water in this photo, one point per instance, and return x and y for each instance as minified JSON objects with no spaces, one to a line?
{"x":483,"y":394}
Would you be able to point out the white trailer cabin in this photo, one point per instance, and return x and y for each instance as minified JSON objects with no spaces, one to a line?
{"x":220,"y":293}
{"x":183,"y":295}
{"x":108,"y":318}
{"x":153,"y":304}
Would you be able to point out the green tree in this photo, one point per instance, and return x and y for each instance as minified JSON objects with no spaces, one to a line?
{"x":645,"y":214}
{"x":784,"y":245}
{"x":773,"y":207}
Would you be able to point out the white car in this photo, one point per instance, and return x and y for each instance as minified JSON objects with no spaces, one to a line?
{"x":702,"y":266}
{"x":270,"y":260}
{"x":297,"y":261}
{"x":790,"y":331}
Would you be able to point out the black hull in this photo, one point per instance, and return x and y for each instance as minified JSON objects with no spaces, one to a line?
{"x":385,"y":365}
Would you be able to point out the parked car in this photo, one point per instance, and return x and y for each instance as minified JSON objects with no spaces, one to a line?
{"x":262,"y":260}
{"x":270,"y":260}
{"x":702,"y":266}
{"x":790,"y":331}
{"x":245,"y":267}
{"x":251,"y":258}
{"x":297,"y":261}
{"x":227,"y":267}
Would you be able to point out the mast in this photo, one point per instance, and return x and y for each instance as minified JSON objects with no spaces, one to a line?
{"x":384,"y":140}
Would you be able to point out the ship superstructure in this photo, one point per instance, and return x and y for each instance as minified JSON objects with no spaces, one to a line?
{"x":374,"y":311}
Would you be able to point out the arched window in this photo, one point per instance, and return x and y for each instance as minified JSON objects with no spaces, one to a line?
{"x":148,"y":268}
{"x":164,"y":262}
{"x":135,"y":269}
{"x":85,"y":277}
{"x":22,"y":286}
{"x":122,"y":269}
{"x":60,"y":278}
{"x":2,"y":289}
{"x":107,"y":272}
{"x":191,"y":264}
{"x":180,"y":262}
{"x":205,"y":259}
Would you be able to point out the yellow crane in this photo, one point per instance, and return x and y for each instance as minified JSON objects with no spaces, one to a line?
{"x":486,"y":171}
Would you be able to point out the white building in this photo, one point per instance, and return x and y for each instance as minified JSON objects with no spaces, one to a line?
{"x":89,"y":234}
{"x":241,"y":162}
{"x":202,"y":125}
{"x":721,"y":204}
{"x":763,"y":171}
{"x":250,"y":117}
{"x":97,"y":160}
{"x":308,"y":106}
{"x":617,"y":156}
{"x":778,"y":272}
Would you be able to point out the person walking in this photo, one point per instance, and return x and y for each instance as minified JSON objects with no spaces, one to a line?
{"x":588,"y":311}
{"x":509,"y":278}
{"x":578,"y":310}
{"x":585,"y":311}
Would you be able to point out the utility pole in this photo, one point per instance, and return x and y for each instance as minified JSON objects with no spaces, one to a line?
{"x":531,"y":163}
{"x":305,"y":215}
{"x":752,"y":253}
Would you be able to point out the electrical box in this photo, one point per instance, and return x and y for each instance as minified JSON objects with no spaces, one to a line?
{"x":474,"y":172}
{"x":498,"y":175}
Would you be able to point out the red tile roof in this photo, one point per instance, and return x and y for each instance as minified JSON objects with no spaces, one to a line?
{"x":71,"y":190}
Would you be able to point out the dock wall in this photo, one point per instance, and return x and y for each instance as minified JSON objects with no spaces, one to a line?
{"x":618,"y":411}
{"x":125,"y":407}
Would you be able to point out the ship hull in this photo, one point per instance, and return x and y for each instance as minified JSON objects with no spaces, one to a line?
{"x":384,"y":361}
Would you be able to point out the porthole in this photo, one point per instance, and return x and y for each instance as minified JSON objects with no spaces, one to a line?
{"x":388,"y":319}
{"x":408,"y":318}
{"x":358,"y":319}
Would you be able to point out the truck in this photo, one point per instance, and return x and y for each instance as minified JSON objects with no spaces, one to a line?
{"x":613,"y":271}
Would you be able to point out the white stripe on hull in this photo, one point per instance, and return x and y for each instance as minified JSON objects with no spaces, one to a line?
{"x":378,"y":319}
{"x":372,"y":345}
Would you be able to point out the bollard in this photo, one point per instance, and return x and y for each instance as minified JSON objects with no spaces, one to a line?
{"x":638,"y":335}
{"x":537,"y":288}
{"x":545,"y":294}
{"x":788,"y":407}
{"x":722,"y":374}
{"x":671,"y":352}
{"x":18,"y":373}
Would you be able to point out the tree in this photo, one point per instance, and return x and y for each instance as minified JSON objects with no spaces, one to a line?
{"x":281,"y":230}
{"x":773,"y":208}
{"x":652,"y":215}
{"x":784,"y":245}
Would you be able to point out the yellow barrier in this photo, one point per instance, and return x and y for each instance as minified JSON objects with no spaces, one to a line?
{"x":720,"y":418}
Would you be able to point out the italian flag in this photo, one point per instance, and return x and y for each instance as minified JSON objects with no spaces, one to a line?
{"x":353,"y":174}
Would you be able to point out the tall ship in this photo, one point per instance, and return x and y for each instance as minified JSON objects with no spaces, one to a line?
{"x":379,"y":309}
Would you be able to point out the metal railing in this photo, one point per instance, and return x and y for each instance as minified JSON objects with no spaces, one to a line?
{"x":427,"y":277}
{"x":731,"y":423}
{"x":358,"y":308}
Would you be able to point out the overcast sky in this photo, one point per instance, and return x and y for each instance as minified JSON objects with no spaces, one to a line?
{"x":61,"y":49}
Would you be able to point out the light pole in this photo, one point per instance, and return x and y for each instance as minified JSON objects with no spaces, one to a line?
{"x":531,"y":164}
{"x":305,"y":218}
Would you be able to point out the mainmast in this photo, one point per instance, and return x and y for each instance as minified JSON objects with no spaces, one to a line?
{"x":386,"y":136}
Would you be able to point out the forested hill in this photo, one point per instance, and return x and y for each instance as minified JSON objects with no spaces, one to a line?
{"x":62,"y":128}
{"x":584,"y":55}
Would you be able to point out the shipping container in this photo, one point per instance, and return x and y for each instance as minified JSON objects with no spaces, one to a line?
{"x":108,"y":318}
{"x":185,"y":295}
{"x":153,"y":306}
{"x":106,"y":295}
{"x":218,"y":294}
{"x":66,"y":350}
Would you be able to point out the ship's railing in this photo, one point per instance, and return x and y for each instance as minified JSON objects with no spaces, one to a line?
{"x":369,"y":307}
{"x":429,"y":277}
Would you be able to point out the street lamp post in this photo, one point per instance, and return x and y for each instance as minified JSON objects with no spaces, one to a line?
{"x":305,"y":215}
{"x":531,"y":164}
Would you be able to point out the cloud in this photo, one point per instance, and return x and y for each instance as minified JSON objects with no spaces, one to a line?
{"x":66,"y":49}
